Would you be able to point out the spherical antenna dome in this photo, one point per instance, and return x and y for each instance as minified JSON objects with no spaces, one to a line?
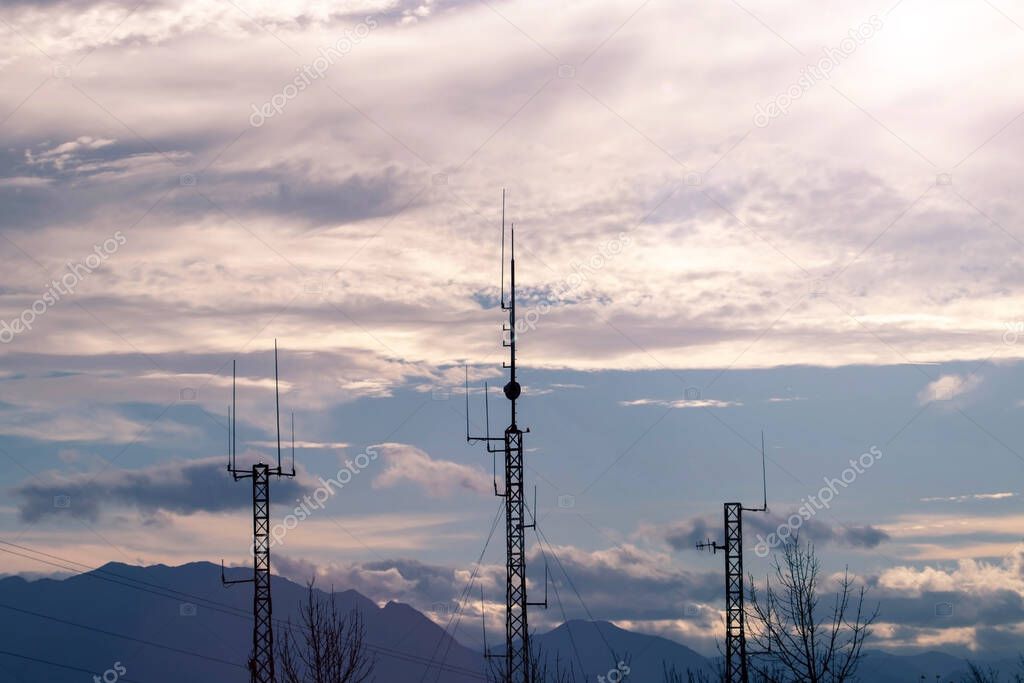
{"x":513,"y":390}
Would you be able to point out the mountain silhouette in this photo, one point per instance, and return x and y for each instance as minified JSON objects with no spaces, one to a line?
{"x":161,"y":624}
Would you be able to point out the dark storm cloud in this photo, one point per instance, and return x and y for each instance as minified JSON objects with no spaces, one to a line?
{"x":182,"y":488}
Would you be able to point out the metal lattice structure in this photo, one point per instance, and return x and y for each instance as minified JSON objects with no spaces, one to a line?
{"x":735,"y":635}
{"x":517,"y":655}
{"x":262,"y":608}
{"x":261,"y":659}
{"x":735,"y":615}
{"x":517,"y":634}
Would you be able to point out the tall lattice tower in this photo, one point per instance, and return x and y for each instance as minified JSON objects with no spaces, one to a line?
{"x":736,"y":670}
{"x":517,"y":655}
{"x":261,"y":660}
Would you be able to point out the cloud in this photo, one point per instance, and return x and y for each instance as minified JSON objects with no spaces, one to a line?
{"x":317,"y":445}
{"x":969,"y":496}
{"x":685,"y":535}
{"x":272,"y":207}
{"x":684,"y":605}
{"x":948,"y":387}
{"x":94,"y":423}
{"x":657,"y":589}
{"x":64,"y":154}
{"x":404,"y":580}
{"x":682,"y":403}
{"x":406,"y":464}
{"x":183,"y":487}
{"x":975,"y":605}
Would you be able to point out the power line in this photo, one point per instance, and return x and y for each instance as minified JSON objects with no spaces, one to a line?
{"x":462,"y":601}
{"x":736,"y":669}
{"x":100,"y":574}
{"x":261,"y":661}
{"x":579,"y":597}
{"x":518,"y":662}
{"x":121,"y":635}
{"x":561,"y":606}
{"x":39,"y":660}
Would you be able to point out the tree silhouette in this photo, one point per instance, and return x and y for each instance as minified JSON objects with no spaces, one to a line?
{"x":798,"y":638}
{"x":325,"y":647}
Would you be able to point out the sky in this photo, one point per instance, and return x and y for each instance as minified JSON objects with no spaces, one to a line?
{"x":801,"y":219}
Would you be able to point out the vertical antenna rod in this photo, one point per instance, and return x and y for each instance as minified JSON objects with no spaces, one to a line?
{"x":517,"y":655}
{"x":261,"y":660}
{"x":277,"y":408}
{"x":735,"y":627}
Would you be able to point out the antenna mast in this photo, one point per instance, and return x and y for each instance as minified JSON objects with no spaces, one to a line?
{"x":735,"y":628}
{"x":517,"y":655}
{"x":261,"y":660}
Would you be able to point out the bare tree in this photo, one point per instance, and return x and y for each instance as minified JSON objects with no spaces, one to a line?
{"x":976,"y":674}
{"x":541,"y":671}
{"x":326,"y":646}
{"x":806,"y":641}
{"x":672,"y":675}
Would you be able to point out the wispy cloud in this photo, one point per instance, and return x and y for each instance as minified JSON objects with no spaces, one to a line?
{"x":970,"y":496}
{"x":313,"y":445}
{"x":405,"y":464}
{"x":684,"y":535}
{"x":682,"y":403}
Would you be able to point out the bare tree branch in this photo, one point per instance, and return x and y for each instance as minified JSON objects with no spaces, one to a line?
{"x":326,"y":646}
{"x":797,"y":637}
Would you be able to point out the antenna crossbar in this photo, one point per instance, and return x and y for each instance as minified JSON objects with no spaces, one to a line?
{"x":261,"y":659}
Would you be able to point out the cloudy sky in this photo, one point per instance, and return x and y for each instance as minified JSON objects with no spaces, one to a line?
{"x":802,"y":218}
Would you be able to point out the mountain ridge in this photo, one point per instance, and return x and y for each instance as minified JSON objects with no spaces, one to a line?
{"x":164,"y":622}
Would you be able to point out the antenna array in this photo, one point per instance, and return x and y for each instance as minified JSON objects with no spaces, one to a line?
{"x":517,"y":655}
{"x":261,"y":660}
{"x":735,"y":628}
